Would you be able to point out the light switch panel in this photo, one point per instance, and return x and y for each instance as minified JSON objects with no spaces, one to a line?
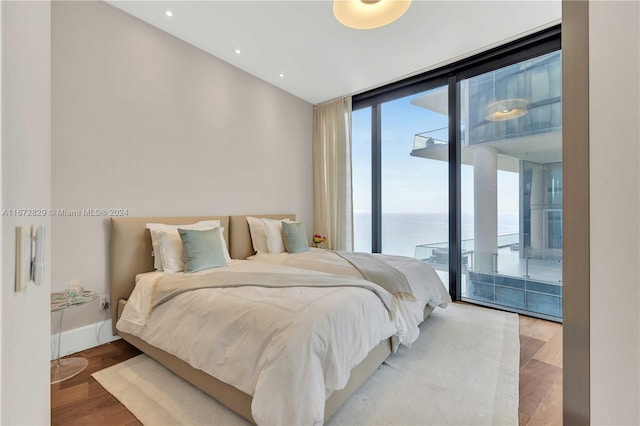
{"x":23,"y":257}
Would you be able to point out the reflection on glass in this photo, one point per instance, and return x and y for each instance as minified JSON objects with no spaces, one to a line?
{"x":511,"y":154}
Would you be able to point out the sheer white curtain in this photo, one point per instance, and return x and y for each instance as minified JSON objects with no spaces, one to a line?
{"x":332,"y":198}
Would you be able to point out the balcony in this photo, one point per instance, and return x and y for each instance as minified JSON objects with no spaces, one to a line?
{"x":518,"y":281}
{"x":432,"y":144}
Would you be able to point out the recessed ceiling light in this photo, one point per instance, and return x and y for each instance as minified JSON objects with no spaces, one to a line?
{"x":281,"y":75}
{"x":238,"y":51}
{"x":168,"y":13}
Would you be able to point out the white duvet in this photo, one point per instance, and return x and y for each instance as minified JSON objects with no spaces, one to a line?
{"x":424,"y":281}
{"x":289,"y":348}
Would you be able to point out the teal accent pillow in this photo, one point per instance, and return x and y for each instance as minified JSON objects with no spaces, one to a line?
{"x":202,"y":249}
{"x":295,"y":237}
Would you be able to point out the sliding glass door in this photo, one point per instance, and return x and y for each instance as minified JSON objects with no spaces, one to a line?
{"x":511,"y":160}
{"x":461,"y":167}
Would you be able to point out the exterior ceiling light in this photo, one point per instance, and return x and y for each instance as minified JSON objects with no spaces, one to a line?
{"x":367,"y":14}
{"x":506,"y":109}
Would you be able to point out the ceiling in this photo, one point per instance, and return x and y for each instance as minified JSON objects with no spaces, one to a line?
{"x":320,"y":59}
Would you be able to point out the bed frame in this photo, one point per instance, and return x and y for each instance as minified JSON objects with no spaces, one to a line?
{"x":131,"y":254}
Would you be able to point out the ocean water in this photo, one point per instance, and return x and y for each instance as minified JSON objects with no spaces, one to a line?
{"x":402,"y":232}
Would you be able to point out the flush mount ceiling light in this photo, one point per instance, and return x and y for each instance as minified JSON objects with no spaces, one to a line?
{"x":367,"y":14}
{"x":506,"y":109}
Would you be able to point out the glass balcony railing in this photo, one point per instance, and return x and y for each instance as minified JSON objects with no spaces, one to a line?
{"x":438,"y":253}
{"x":431,"y":138}
{"x":517,"y":280}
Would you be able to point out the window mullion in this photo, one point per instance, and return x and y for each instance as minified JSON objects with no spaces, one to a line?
{"x":454,"y":191}
{"x":376,"y":179}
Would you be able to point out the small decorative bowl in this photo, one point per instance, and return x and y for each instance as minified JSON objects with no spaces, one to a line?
{"x":74,"y":289}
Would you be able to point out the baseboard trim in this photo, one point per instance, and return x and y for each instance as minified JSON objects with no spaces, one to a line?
{"x":82,"y":338}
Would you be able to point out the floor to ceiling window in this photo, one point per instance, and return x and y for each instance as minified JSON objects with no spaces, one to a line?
{"x":414,"y":195}
{"x":461,"y":167}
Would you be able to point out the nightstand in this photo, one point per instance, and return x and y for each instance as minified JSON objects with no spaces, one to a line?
{"x":65,"y":368}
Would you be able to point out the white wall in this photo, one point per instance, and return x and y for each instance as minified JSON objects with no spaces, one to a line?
{"x":145,"y":122}
{"x":25,"y":181}
{"x":614,"y":111}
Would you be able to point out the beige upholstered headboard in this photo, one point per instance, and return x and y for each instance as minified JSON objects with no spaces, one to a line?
{"x":131,"y":252}
{"x":241,"y":246}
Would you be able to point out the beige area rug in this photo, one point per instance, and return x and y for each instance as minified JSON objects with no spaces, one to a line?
{"x":463,"y":370}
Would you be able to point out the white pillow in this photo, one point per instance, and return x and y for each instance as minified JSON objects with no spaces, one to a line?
{"x":171,"y":249}
{"x":275,"y":237}
{"x":155,"y":239}
{"x":258,"y":235}
{"x":227,"y":256}
{"x":155,"y":243}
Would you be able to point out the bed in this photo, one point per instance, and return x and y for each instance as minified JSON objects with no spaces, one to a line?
{"x":421,"y":278}
{"x":131,"y":257}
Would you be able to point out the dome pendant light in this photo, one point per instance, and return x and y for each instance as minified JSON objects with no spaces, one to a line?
{"x":368,"y":14}
{"x":506,"y":109}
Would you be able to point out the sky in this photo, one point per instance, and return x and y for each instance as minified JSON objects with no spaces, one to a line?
{"x":413,"y":184}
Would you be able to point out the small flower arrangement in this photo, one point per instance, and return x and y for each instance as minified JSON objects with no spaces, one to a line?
{"x":319,"y":239}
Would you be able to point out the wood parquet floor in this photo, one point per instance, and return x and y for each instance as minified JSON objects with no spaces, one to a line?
{"x":82,"y":401}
